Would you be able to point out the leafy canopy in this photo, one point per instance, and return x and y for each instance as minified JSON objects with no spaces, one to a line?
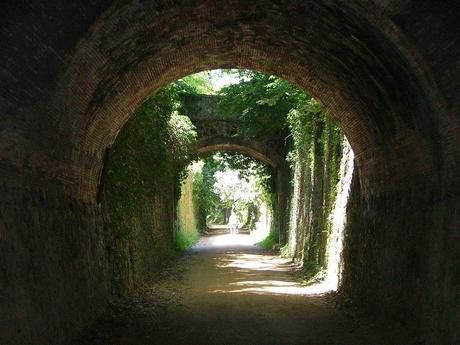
{"x":262,"y":103}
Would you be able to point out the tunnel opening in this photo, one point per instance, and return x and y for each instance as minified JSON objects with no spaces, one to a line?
{"x":280,"y":154}
{"x":385,"y":73}
{"x":229,"y":198}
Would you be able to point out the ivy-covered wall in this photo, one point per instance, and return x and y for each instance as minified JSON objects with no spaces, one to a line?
{"x":187,"y":227}
{"x":315,"y":160}
{"x":143,"y":171}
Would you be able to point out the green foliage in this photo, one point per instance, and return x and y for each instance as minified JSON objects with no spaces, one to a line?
{"x":181,"y":135}
{"x":270,"y":110}
{"x":303,"y":122}
{"x":246,"y":167}
{"x":184,"y":241}
{"x":144,"y":165}
{"x":269,"y":242}
{"x":312,"y":274}
{"x":157,"y":137}
{"x":195,"y":83}
{"x":206,"y":199}
{"x":334,"y":147}
{"x":316,"y":151}
{"x":273,"y":110}
{"x":253,"y":215}
{"x":261,"y":102}
{"x":284,"y":251}
{"x":215,"y":204}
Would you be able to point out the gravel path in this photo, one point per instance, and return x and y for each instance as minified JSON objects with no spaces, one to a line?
{"x":228,"y":292}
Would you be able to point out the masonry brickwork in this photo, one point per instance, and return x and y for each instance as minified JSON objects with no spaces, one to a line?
{"x":72,"y":73}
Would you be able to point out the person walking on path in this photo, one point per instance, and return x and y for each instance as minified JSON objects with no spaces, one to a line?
{"x":233,"y":223}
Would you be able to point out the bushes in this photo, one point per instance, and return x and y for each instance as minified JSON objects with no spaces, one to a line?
{"x":184,"y":240}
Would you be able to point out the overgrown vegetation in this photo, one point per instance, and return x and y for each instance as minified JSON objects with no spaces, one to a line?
{"x":314,"y":159}
{"x":142,"y":183}
{"x":231,"y":180}
{"x":271,"y":109}
{"x":262,"y":103}
{"x":147,"y":168}
{"x":184,"y":241}
{"x":187,"y":230}
{"x":270,"y":241}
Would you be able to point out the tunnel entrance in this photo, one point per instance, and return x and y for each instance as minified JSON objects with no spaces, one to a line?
{"x":228,"y":194}
{"x":72,"y":74}
{"x":293,"y":174}
{"x":299,"y":178}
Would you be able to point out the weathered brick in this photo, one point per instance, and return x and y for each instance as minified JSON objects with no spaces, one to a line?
{"x":71,"y":74}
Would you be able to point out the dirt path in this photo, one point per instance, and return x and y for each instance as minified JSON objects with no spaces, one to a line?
{"x":230,"y":294}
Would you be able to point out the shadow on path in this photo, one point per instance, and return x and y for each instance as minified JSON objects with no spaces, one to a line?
{"x":226,"y":290}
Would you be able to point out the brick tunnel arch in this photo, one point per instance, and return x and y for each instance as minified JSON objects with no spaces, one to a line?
{"x":249,"y":148}
{"x":262,"y":153}
{"x":380,"y":93}
{"x":390,"y":85}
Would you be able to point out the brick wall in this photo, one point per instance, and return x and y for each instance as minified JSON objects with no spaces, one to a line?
{"x":71,"y":74}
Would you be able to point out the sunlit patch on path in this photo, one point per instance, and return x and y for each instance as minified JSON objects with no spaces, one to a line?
{"x":228,"y":240}
{"x":284,"y":283}
{"x":229,"y":291}
{"x":255,"y":272}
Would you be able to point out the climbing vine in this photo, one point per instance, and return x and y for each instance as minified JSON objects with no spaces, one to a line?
{"x":142,"y":183}
{"x":215,"y":198}
{"x":148,"y":159}
{"x":315,"y":156}
{"x":262,"y":103}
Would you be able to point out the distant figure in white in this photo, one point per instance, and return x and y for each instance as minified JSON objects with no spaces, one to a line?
{"x":233,"y":223}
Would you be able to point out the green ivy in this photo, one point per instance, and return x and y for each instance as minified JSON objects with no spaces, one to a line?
{"x":152,"y":151}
